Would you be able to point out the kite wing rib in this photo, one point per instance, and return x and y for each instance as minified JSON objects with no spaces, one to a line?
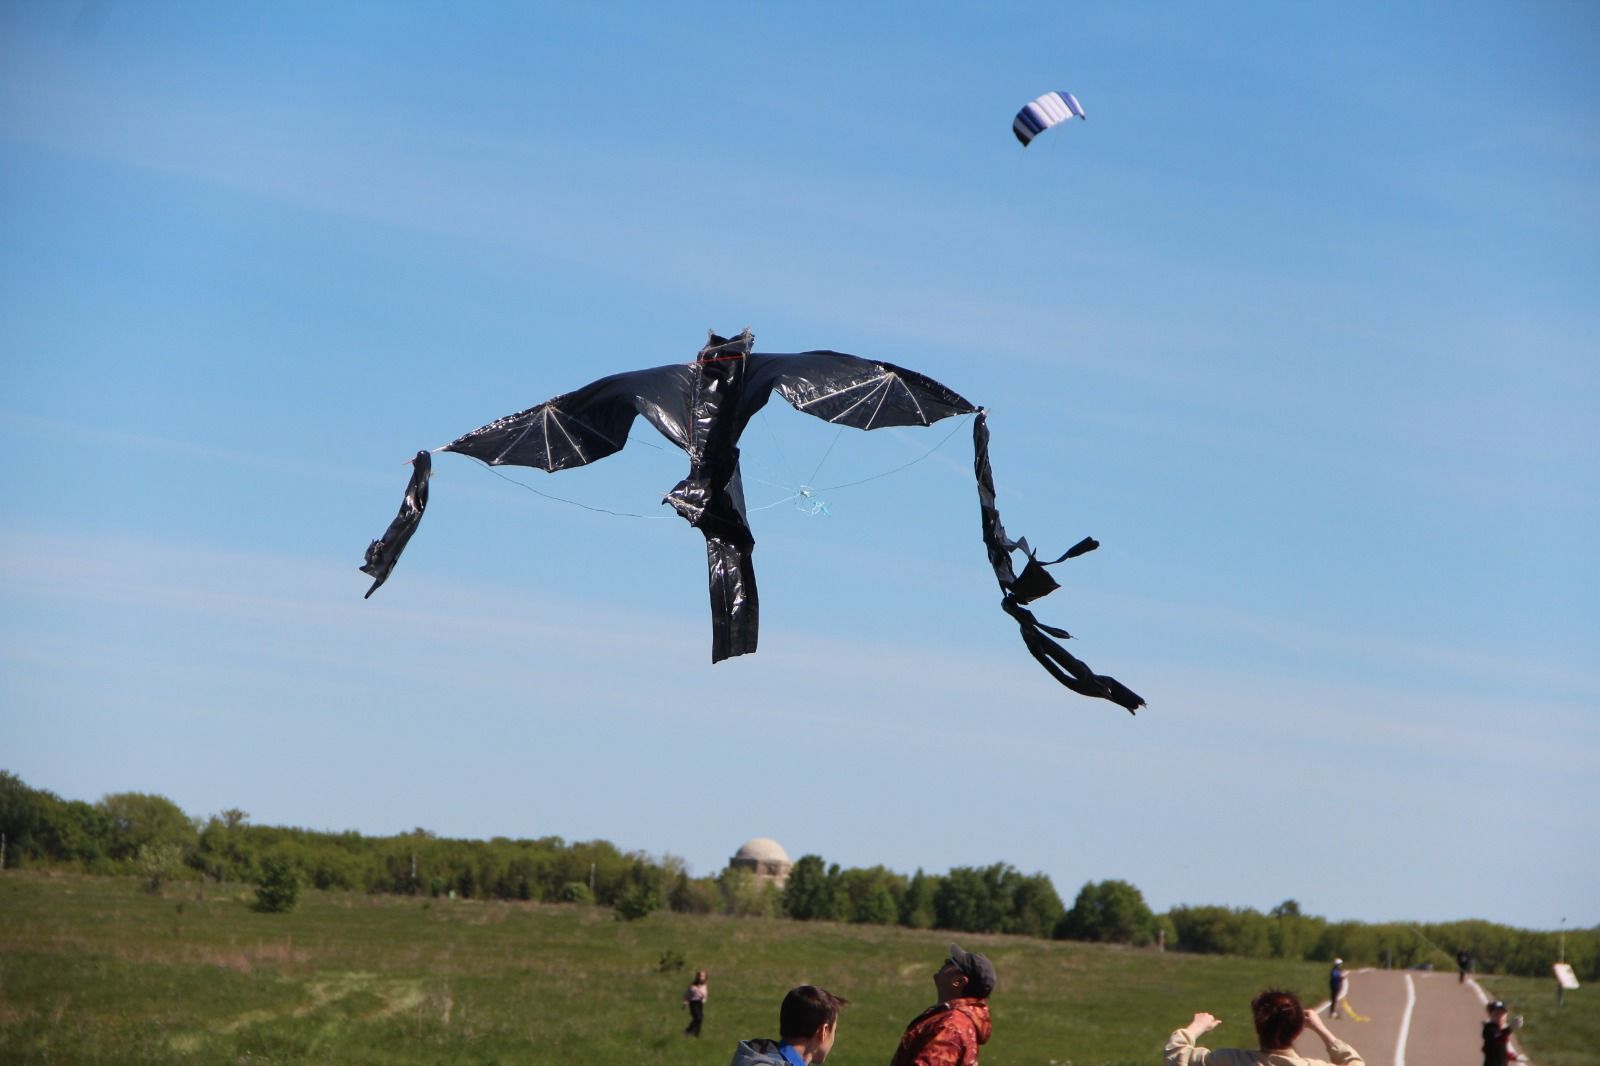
{"x":580,"y":427}
{"x":841,"y":389}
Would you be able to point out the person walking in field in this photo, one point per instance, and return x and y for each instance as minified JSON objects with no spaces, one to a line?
{"x":1280,"y":1017}
{"x":808,"y":1021}
{"x":950,"y":1032}
{"x":694,"y":997}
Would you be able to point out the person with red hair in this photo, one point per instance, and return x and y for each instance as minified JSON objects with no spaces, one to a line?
{"x":1280,"y":1017}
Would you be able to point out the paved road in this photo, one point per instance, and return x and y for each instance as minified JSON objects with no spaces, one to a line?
{"x":1416,"y":1019}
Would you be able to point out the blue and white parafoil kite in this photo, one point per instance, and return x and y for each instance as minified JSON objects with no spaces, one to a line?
{"x":1048,"y":110}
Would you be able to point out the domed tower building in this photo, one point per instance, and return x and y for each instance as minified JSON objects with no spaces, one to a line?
{"x":764,"y":858}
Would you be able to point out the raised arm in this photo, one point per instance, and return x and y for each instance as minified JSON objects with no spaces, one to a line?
{"x":1181,"y":1049}
{"x":1339,"y":1053}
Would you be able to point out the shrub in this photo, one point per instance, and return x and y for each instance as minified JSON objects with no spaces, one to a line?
{"x":636,"y":901}
{"x":695,"y":895}
{"x":279,"y":890}
{"x":158,"y":864}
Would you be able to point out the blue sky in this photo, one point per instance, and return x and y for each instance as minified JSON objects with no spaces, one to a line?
{"x":1301,"y":324}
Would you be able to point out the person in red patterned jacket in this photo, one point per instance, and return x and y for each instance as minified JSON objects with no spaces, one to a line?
{"x":950,"y":1032}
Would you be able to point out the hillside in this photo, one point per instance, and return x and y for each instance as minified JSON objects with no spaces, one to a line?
{"x":95,"y":970}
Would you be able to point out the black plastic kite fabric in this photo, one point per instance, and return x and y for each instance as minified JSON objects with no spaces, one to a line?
{"x":703,"y":407}
{"x":1033,"y":583}
{"x":384,"y":552}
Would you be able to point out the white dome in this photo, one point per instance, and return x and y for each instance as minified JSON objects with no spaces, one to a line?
{"x":763,"y":849}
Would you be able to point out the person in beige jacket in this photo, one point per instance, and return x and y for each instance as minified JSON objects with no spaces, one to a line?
{"x":1279,"y":1018}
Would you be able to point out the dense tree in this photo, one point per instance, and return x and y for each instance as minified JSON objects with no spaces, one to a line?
{"x":1291,"y":932}
{"x":746,"y":896}
{"x":1108,"y":911}
{"x":916,"y":906}
{"x":695,"y":895}
{"x":137,"y":818}
{"x":39,"y":825}
{"x":223,"y":850}
{"x":1035,"y":907}
{"x":971,"y":900}
{"x":22,"y":820}
{"x":809,"y":893}
{"x":636,"y":901}
{"x":867,"y":896}
{"x":1221,"y":930}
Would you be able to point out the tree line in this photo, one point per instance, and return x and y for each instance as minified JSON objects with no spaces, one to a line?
{"x":149,"y":836}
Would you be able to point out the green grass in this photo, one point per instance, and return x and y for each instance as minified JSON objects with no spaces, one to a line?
{"x":94,"y":970}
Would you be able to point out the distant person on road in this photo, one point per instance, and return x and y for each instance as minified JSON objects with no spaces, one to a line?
{"x":950,"y":1032}
{"x":694,"y":997}
{"x":1336,"y":990}
{"x":1497,"y":1035}
{"x":808,"y":1020}
{"x":1464,"y":965}
{"x":1280,"y":1017}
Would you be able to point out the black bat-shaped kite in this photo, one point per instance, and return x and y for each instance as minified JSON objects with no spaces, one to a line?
{"x":703,"y":407}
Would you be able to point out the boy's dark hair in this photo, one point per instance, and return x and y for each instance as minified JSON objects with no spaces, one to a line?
{"x":1280,"y":1017}
{"x":807,"y":1009}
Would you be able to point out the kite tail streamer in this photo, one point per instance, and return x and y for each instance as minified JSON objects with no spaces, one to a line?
{"x":1033,"y":583}
{"x":1350,"y":1012}
{"x":735,"y":610}
{"x":384,"y":552}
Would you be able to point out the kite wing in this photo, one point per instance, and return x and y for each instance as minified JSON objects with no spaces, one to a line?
{"x":571,"y":430}
{"x":590,"y":423}
{"x":1039,"y":114}
{"x":851,"y":391}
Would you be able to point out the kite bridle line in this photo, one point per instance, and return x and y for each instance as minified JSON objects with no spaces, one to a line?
{"x":551,"y":496}
{"x":804,"y":491}
{"x":960,"y":419}
{"x":807,"y":490}
{"x":561,"y":499}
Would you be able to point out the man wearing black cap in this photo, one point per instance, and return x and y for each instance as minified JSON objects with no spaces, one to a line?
{"x":950,"y":1032}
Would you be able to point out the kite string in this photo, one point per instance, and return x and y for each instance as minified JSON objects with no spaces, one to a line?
{"x":775,"y":443}
{"x":895,"y":470}
{"x":775,"y":503}
{"x":793,"y":495}
{"x":561,"y":499}
{"x":1430,"y":943}
{"x":825,"y":455}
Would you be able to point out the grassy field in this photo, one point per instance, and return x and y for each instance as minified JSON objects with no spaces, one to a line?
{"x":94,"y":970}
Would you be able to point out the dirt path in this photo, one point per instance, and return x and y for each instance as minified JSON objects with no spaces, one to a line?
{"x":1416,"y":1019}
